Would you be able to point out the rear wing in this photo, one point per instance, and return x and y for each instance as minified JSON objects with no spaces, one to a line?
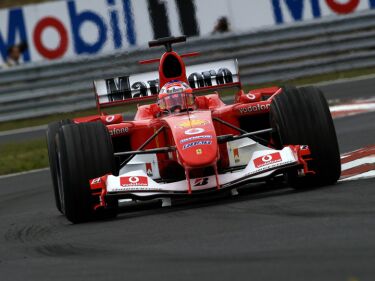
{"x":145,"y":86}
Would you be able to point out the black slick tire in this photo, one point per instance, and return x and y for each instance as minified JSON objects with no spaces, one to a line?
{"x":85,"y":152}
{"x":302,"y":116}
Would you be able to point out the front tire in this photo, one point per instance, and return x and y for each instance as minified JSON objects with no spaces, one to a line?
{"x":85,"y":152}
{"x":51,"y":133}
{"x":301,"y":116}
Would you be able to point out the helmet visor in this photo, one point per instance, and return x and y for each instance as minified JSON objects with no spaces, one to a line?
{"x":179,"y":101}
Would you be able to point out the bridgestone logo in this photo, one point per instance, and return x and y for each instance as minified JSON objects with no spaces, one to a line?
{"x":255,"y":108}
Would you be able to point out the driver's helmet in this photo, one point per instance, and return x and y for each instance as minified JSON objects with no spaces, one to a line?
{"x":176,"y":97}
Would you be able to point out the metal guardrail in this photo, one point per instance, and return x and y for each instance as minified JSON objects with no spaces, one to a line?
{"x":278,"y":53}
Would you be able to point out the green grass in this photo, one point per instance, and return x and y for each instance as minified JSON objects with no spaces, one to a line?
{"x":23,"y":156}
{"x":11,"y":125}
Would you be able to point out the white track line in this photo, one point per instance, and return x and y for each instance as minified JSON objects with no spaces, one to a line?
{"x":358,"y":162}
{"x":24,"y":173}
{"x":367,"y":175}
{"x":350,"y":107}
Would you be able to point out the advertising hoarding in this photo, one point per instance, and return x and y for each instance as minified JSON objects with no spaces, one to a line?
{"x":66,"y":29}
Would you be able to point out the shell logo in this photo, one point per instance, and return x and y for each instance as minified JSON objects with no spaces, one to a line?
{"x":194,"y":131}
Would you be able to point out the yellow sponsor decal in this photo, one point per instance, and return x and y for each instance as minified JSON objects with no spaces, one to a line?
{"x":199,"y":151}
{"x":192,"y":123}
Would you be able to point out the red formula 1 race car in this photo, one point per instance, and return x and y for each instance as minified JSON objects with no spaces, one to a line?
{"x":189,"y":143}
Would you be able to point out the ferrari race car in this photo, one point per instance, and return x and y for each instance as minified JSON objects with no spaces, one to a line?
{"x":190,"y":143}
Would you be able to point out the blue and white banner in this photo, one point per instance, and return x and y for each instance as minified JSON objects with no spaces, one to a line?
{"x":66,"y":29}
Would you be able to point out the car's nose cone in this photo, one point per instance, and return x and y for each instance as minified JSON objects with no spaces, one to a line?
{"x":195,"y":139}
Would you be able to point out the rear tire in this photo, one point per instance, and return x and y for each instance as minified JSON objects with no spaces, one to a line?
{"x":51,"y":133}
{"x":302,"y":116}
{"x":85,"y":152}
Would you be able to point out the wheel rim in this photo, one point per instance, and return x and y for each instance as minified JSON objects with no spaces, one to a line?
{"x":59,"y":182}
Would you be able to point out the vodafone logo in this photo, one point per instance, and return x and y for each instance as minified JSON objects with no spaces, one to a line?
{"x":254,"y":108}
{"x":194,"y":131}
{"x":109,"y":119}
{"x":268,"y":159}
{"x":119,"y":131}
{"x":134,"y":181}
{"x":251,"y":96}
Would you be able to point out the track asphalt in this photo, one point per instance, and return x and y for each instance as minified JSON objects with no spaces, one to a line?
{"x":265,"y":233}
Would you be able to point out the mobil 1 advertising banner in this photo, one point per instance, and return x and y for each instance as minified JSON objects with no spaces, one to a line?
{"x":67,"y":29}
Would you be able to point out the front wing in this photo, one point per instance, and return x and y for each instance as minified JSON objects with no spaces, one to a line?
{"x":262,"y":164}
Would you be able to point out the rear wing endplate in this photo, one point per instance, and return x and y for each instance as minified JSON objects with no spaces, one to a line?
{"x":145,"y":86}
